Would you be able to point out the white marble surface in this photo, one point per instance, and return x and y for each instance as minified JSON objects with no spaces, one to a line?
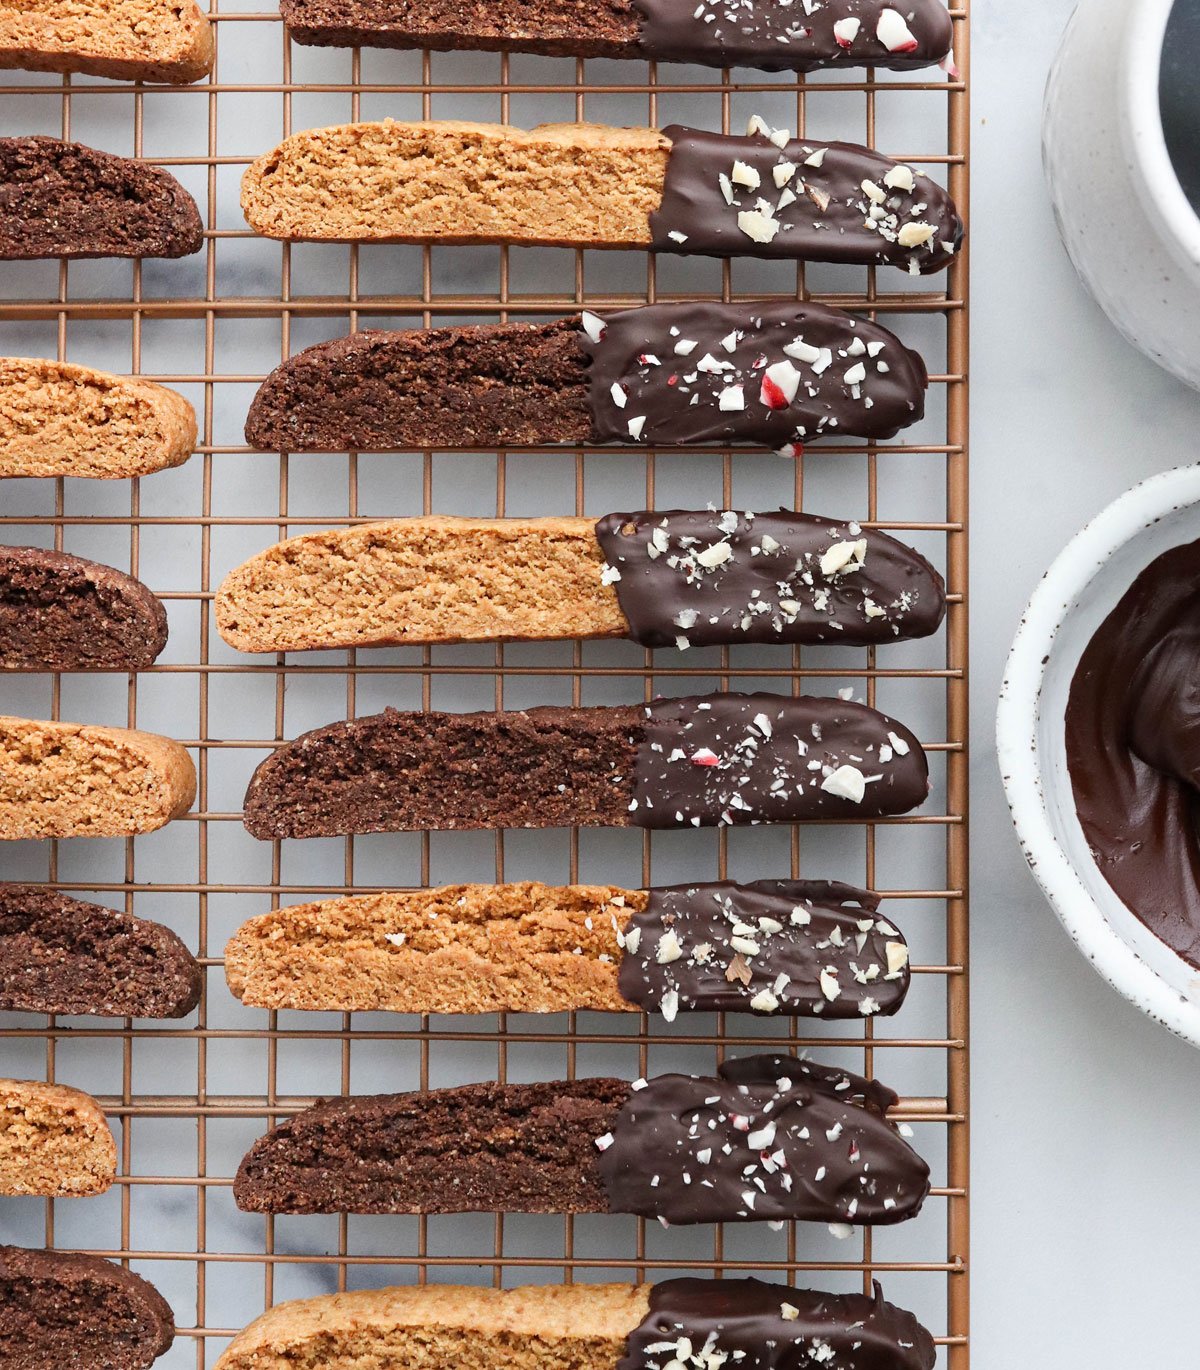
{"x":1085,"y":1206}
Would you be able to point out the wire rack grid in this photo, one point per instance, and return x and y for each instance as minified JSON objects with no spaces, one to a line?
{"x":187,"y":1098}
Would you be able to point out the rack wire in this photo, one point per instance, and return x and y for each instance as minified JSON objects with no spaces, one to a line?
{"x":187,"y":1098}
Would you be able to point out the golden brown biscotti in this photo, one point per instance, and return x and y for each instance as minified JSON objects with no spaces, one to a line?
{"x":809,"y":947}
{"x":543,"y":1327}
{"x":60,"y":419}
{"x":79,"y":780}
{"x":130,"y":40}
{"x":676,"y":190}
{"x":54,"y":1141}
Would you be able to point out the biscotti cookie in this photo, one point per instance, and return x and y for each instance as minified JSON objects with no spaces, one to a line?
{"x":77,"y":780}
{"x":752,"y":33}
{"x":770,"y":1137}
{"x":688,"y":1322}
{"x":776,"y":374}
{"x":67,"y":200}
{"x":62,"y":1310}
{"x":60,"y":419}
{"x":54,"y":1141}
{"x":585,"y":185}
{"x":773,"y":946}
{"x":129,"y":40}
{"x":61,"y":955}
{"x":693,"y":762}
{"x":661,"y":577}
{"x":62,"y":613}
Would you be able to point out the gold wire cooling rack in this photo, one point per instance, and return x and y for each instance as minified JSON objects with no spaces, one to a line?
{"x":188,"y":1098}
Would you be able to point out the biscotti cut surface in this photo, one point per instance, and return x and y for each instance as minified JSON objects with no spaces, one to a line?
{"x":432,"y":1327}
{"x":522,"y":948}
{"x":130,"y":40}
{"x":54,"y":1141}
{"x":514,"y":384}
{"x":524,"y":1148}
{"x":61,"y":955}
{"x":62,"y":1310}
{"x":62,"y":613}
{"x":77,"y":780}
{"x":560,"y":184}
{"x":422,"y":580}
{"x":60,"y":419}
{"x":67,"y":200}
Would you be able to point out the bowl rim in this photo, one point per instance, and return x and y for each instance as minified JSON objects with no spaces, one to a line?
{"x":1017,"y":719}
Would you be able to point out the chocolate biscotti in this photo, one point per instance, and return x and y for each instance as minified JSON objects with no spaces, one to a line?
{"x":67,"y":200}
{"x":78,"y":780}
{"x":770,"y":1137}
{"x":62,"y":613}
{"x":679,"y":578}
{"x":61,"y":955}
{"x":693,"y":762}
{"x":753,"y":33}
{"x":129,"y":40}
{"x":773,"y":946}
{"x":54,"y":1142}
{"x":770,"y":374}
{"x":585,"y":185}
{"x":685,"y":1322}
{"x":60,"y":419}
{"x":62,"y":1310}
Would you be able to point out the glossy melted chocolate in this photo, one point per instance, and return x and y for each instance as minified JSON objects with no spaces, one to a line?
{"x":771,"y":36}
{"x":712,"y":760}
{"x":773,"y":946}
{"x":1133,"y":748}
{"x":701,"y":578}
{"x":706,"y":1324}
{"x":773,"y":375}
{"x":805,"y":200}
{"x":773,"y":1137}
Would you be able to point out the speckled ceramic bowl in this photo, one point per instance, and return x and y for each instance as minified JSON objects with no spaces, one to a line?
{"x":1076,"y":595}
{"x":1122,"y":213}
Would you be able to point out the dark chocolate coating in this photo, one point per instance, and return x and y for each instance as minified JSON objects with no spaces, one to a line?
{"x":66,"y":200}
{"x":826,"y":222}
{"x":661,"y":357}
{"x":62,"y":1310}
{"x":770,"y":36}
{"x":62,"y":613}
{"x":1133,"y":748}
{"x":772,"y":946}
{"x":805,"y":1141}
{"x":758,"y":1326}
{"x":720,"y":759}
{"x":770,"y":587}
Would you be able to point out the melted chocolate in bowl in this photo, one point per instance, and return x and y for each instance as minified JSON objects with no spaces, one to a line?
{"x":1179,"y":95}
{"x":1133,"y":748}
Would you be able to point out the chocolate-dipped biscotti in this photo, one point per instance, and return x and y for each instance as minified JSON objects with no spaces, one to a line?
{"x":61,"y":955}
{"x":773,"y":946}
{"x":585,"y":185}
{"x":770,"y":1137}
{"x":78,"y":780}
{"x":679,"y":578}
{"x":54,"y":1142}
{"x":60,"y":419}
{"x":63,"y":613}
{"x":693,"y":762}
{"x":67,"y":200}
{"x":769,"y":374}
{"x":753,"y":33}
{"x":129,"y":40}
{"x":61,"y":1310}
{"x":689,"y":1323}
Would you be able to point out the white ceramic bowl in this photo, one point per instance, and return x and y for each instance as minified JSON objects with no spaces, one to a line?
{"x":1076,"y":595}
{"x":1129,"y":229}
